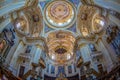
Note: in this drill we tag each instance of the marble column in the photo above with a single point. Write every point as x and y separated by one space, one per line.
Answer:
107 59
85 53
19 49
37 55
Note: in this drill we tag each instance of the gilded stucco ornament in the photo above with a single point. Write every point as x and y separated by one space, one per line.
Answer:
90 24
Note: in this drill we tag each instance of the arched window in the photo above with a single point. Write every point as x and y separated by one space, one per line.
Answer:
69 69
28 49
52 69
61 69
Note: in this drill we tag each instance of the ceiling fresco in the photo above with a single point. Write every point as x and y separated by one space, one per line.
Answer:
60 45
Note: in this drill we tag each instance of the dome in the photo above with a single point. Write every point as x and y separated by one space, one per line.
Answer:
59 14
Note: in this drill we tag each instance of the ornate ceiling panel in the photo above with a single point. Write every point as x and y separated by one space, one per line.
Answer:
98 23
60 44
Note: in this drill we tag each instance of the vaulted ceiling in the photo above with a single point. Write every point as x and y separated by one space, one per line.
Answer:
59 23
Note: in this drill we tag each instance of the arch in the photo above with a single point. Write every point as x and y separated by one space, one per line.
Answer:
74 34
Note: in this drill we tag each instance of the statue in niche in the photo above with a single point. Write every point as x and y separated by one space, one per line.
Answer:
84 31
9 36
36 31
79 62
2 45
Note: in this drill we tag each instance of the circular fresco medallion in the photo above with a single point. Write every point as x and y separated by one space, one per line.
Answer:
59 14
